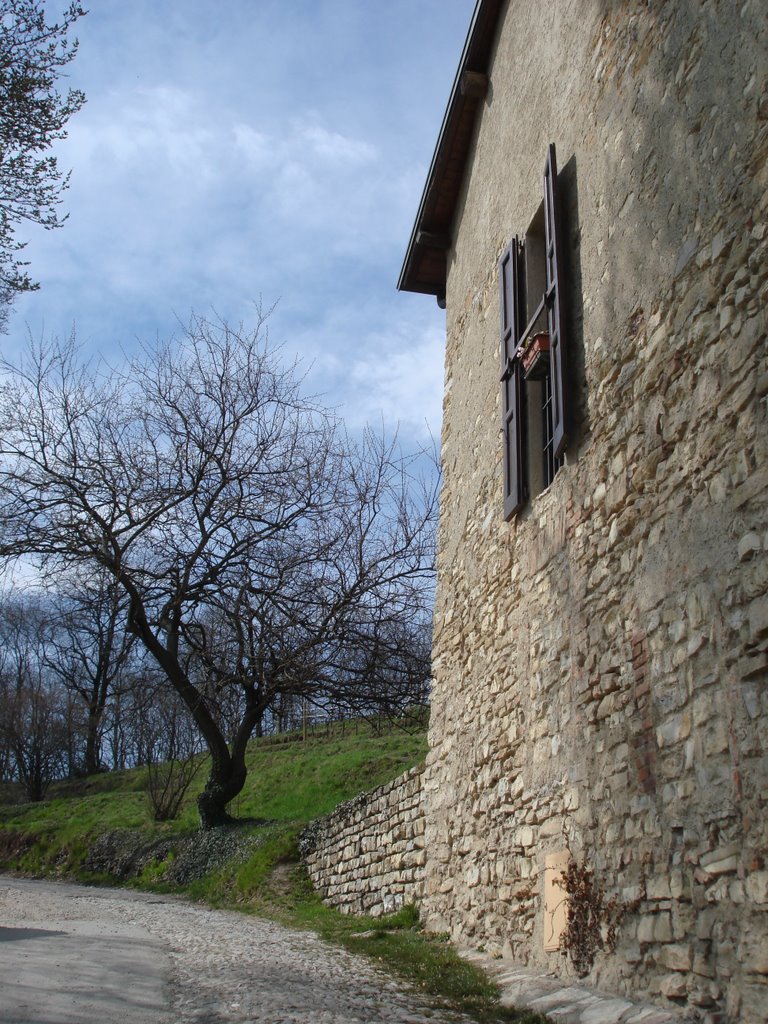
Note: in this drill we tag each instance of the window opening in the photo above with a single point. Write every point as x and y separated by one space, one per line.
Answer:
532 352
551 463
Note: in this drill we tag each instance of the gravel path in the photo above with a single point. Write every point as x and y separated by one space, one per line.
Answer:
192 964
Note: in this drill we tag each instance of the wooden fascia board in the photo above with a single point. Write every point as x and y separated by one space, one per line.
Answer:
474 60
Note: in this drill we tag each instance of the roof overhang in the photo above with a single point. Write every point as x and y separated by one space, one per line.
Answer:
425 265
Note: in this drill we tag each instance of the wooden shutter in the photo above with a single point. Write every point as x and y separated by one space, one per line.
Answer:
553 239
509 296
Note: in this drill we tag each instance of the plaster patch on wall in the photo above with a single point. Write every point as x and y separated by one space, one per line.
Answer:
555 899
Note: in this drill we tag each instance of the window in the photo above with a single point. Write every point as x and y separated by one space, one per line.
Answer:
533 352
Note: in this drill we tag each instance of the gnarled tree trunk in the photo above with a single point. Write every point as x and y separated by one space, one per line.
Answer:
224 783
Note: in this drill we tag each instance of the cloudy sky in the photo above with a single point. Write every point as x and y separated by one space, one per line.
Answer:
232 150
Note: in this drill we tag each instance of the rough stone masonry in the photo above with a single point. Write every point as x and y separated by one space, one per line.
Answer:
601 659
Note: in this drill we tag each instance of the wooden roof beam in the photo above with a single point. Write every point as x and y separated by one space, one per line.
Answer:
433 240
474 85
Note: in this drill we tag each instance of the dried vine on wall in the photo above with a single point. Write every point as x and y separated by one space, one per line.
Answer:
592 918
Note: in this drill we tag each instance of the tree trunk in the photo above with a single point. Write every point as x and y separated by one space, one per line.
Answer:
92 744
228 769
224 783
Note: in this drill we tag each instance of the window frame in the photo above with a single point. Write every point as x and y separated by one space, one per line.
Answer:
515 333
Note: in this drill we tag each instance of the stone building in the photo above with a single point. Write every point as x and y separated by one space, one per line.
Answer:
594 222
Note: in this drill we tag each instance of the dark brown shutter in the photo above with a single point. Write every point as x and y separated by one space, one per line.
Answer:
509 292
553 237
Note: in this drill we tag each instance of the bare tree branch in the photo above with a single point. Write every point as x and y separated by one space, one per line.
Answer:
261 550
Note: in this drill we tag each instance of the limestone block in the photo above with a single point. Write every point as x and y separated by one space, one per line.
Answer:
722 860
718 892
736 892
758 618
658 887
754 665
703 707
571 799
525 837
441 853
645 927
702 965
527 868
727 314
695 643
674 729
676 957
705 926
704 994
605 708
749 545
679 887
662 928
677 630
753 953
674 986
551 827
715 738
434 882
630 893
756 886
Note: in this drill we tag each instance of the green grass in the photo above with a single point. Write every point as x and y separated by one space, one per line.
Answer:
289 784
428 962
290 781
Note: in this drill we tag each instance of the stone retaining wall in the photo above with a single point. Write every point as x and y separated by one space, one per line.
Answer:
367 857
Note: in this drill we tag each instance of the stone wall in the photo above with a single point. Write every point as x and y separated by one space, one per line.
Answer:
601 661
368 856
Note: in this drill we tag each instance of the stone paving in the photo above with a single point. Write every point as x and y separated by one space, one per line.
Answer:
567 1003
219 967
174 962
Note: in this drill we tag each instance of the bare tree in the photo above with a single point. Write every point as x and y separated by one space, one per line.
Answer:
173 761
260 548
89 649
34 715
128 725
36 733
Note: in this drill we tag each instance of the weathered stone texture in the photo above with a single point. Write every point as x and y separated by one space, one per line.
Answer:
367 857
601 660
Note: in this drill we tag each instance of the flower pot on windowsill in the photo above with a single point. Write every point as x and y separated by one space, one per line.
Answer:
535 357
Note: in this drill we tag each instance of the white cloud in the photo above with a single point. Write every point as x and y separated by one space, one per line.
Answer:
336 149
311 177
257 148
147 142
392 375
405 385
279 150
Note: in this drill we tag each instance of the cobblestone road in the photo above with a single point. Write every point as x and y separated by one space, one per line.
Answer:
84 955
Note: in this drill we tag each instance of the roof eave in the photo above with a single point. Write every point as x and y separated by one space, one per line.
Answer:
425 265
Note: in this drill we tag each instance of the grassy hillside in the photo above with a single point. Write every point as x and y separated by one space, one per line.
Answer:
288 781
101 830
